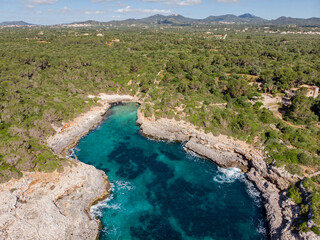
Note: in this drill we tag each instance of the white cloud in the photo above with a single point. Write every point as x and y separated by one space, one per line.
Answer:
101 0
42 2
87 12
228 1
29 5
177 2
169 2
129 9
65 9
33 3
187 2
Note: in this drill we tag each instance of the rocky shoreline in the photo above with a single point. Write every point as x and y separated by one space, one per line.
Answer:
63 200
52 205
271 181
69 134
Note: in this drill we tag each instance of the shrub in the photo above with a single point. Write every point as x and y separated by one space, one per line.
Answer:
294 169
257 105
295 194
305 158
316 230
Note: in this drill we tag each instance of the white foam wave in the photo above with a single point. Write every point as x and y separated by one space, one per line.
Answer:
72 153
76 149
96 210
120 187
123 185
191 154
113 231
261 228
228 175
253 192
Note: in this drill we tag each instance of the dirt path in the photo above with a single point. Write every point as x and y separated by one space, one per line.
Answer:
272 103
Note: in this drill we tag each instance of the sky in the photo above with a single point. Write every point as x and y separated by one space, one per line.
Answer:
65 11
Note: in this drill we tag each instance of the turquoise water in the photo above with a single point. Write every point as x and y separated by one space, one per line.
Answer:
162 192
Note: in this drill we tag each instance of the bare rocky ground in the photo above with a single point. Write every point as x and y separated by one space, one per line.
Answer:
52 205
271 181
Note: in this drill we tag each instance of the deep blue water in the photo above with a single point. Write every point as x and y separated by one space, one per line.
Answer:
162 192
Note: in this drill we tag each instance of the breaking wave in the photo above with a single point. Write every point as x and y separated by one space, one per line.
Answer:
191 154
252 191
120 187
228 175
261 228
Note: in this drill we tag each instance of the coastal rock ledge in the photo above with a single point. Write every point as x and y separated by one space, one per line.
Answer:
52 205
271 181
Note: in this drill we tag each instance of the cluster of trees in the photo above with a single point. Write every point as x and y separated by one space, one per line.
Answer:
303 109
45 79
222 100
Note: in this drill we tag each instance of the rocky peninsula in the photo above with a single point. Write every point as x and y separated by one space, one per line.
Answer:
52 205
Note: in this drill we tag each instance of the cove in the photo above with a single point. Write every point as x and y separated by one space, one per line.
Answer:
160 191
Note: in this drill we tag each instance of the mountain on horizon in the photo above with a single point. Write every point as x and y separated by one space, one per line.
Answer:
247 17
15 23
179 20
296 21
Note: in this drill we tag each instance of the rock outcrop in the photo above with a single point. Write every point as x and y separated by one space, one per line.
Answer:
271 181
52 205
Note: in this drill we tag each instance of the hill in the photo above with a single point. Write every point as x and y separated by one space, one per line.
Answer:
15 23
296 21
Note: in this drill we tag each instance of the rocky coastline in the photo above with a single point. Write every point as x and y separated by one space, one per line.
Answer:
52 205
271 181
68 135
61 200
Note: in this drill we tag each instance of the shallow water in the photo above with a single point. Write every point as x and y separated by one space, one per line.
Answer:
159 191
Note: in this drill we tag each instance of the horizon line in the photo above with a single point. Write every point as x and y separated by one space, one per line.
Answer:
172 14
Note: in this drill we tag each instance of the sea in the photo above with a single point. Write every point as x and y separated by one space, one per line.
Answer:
161 191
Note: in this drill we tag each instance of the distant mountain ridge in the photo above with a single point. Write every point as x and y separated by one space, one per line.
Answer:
297 21
247 18
15 23
179 20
